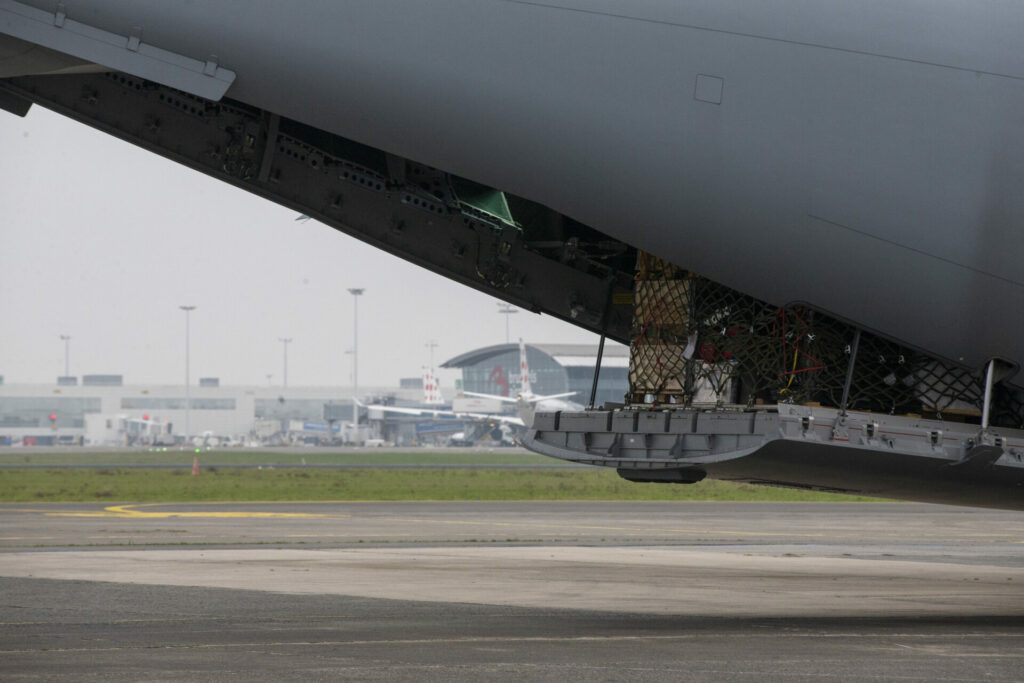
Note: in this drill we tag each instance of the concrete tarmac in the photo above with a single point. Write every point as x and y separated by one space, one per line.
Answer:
542 591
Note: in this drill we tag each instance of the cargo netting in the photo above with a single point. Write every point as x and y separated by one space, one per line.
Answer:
698 342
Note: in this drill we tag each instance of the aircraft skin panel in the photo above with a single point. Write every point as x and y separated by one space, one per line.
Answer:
863 158
127 53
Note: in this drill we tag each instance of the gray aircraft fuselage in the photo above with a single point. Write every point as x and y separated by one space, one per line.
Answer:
863 157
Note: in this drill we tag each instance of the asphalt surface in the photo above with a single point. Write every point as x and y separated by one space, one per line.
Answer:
501 591
289 450
297 466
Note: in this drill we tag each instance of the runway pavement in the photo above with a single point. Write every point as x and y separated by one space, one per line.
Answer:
301 466
543 591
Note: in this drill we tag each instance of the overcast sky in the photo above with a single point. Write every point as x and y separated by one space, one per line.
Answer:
103 241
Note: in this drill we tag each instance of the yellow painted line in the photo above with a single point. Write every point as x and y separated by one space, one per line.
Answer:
129 511
160 620
27 538
81 514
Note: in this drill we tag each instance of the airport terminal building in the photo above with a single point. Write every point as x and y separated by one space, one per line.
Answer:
48 414
554 369
76 412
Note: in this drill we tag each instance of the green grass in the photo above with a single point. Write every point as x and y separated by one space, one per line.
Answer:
151 486
314 456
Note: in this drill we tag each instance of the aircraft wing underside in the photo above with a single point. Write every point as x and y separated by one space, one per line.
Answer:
742 191
514 249
830 154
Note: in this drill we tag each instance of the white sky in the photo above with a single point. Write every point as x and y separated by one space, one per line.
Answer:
103 241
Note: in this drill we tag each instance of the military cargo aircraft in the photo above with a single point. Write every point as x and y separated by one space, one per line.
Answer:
804 214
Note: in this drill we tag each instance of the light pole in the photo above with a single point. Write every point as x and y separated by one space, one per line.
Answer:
432 344
188 395
66 338
356 293
286 342
506 310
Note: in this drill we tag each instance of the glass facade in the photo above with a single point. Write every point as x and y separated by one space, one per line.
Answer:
154 403
612 384
102 380
291 409
35 411
499 374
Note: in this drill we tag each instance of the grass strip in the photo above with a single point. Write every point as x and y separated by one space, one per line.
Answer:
314 456
212 485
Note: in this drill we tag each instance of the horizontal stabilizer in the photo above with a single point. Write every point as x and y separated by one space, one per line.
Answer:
536 399
505 399
428 412
528 399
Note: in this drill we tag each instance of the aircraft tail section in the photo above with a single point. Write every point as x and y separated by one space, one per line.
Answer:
431 388
524 372
525 410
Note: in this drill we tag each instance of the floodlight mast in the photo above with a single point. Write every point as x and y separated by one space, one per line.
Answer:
66 338
188 396
286 341
356 293
506 310
432 344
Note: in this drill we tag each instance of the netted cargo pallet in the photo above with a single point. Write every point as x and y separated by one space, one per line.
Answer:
695 341
660 331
